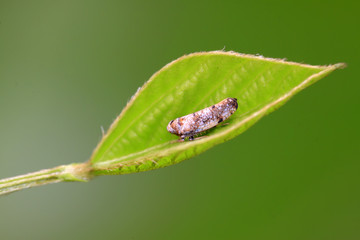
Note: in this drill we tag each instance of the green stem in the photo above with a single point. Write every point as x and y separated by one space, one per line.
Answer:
72 172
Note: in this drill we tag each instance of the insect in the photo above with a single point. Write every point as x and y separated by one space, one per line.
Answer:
197 122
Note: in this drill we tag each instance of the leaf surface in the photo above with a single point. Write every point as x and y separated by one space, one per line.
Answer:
138 139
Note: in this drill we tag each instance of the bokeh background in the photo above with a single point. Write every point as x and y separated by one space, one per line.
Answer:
69 67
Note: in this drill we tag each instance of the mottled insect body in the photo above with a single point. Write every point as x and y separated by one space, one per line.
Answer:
197 122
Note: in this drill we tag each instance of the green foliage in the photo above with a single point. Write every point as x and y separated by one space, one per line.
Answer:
138 139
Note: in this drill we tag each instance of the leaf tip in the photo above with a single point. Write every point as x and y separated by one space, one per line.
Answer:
340 65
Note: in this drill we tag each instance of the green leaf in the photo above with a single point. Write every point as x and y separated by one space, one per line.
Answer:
138 139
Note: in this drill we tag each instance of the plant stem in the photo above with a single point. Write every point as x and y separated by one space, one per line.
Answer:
72 172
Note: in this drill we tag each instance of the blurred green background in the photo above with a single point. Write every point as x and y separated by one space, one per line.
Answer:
69 67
